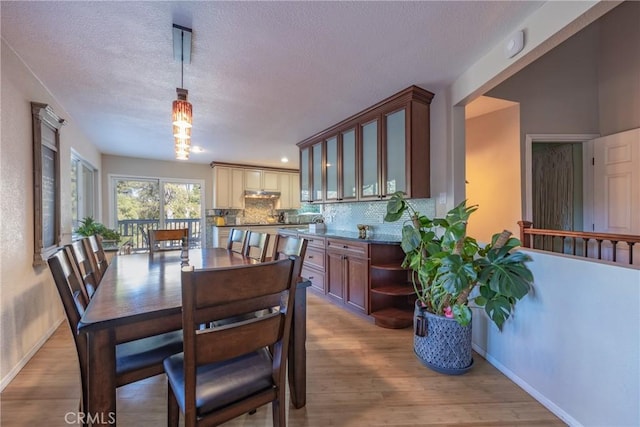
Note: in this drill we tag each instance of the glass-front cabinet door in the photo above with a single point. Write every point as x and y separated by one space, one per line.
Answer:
348 187
369 183
316 173
331 165
395 149
305 189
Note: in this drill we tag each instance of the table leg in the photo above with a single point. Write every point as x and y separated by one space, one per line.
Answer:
297 363
101 367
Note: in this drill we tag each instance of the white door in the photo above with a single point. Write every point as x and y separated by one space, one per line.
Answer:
616 191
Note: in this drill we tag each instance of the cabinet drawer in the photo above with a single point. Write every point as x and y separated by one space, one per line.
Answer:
313 241
314 257
347 246
315 277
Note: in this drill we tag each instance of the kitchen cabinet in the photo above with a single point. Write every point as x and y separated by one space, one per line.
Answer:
332 172
316 172
289 184
305 174
313 266
347 165
379 151
228 188
258 180
348 273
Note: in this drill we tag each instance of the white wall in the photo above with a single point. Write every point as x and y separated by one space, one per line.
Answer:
29 303
573 343
493 173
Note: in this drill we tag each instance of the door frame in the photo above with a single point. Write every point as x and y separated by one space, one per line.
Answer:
587 174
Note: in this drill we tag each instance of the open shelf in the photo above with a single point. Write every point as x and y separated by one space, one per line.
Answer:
393 318
395 289
393 266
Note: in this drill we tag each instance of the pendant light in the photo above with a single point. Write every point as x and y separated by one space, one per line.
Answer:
182 110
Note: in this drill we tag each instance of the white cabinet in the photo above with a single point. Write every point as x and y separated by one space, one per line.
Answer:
228 188
257 180
289 191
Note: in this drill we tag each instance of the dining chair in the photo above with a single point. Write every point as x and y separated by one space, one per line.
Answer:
285 246
168 235
93 247
135 360
256 245
85 266
236 240
227 371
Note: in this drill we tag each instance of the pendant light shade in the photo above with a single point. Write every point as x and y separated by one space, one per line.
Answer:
182 117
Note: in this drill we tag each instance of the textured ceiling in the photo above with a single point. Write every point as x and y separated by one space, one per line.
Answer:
263 76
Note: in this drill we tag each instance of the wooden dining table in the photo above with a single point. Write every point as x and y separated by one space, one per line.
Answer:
139 296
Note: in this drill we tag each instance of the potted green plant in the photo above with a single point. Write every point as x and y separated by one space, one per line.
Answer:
90 227
450 270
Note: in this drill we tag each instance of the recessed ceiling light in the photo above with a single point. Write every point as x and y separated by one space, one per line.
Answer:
197 149
284 160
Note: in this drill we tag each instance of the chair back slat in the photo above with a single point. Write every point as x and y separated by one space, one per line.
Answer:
167 235
241 338
86 265
93 246
285 246
256 245
236 240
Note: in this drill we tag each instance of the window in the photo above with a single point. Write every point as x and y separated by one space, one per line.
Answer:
83 190
143 204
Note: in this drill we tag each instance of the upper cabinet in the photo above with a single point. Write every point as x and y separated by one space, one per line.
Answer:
258 180
230 181
372 154
289 191
228 188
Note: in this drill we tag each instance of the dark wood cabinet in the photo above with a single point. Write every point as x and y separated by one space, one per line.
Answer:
313 266
348 273
365 277
374 153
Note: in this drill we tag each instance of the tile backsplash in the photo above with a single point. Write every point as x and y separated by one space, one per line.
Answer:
345 216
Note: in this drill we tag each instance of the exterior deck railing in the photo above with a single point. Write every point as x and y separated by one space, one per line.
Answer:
611 247
137 230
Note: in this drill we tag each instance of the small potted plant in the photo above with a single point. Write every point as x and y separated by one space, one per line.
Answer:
450 270
90 227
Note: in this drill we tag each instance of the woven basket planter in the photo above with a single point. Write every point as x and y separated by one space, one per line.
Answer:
440 343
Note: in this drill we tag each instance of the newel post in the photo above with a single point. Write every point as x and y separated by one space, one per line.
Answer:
525 238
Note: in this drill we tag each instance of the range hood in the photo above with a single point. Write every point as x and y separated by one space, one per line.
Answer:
261 194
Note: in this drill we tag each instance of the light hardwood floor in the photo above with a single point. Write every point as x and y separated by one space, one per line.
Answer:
358 375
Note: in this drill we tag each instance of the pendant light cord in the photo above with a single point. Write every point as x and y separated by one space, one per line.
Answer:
182 59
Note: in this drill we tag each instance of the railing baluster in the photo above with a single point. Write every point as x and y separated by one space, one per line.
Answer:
531 237
585 244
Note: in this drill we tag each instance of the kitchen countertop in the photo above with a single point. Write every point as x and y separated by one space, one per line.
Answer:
387 239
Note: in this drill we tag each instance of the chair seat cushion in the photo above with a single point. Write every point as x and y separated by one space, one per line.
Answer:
145 352
223 383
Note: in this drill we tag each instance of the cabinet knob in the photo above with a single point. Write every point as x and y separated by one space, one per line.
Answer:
311 277
310 256
345 247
